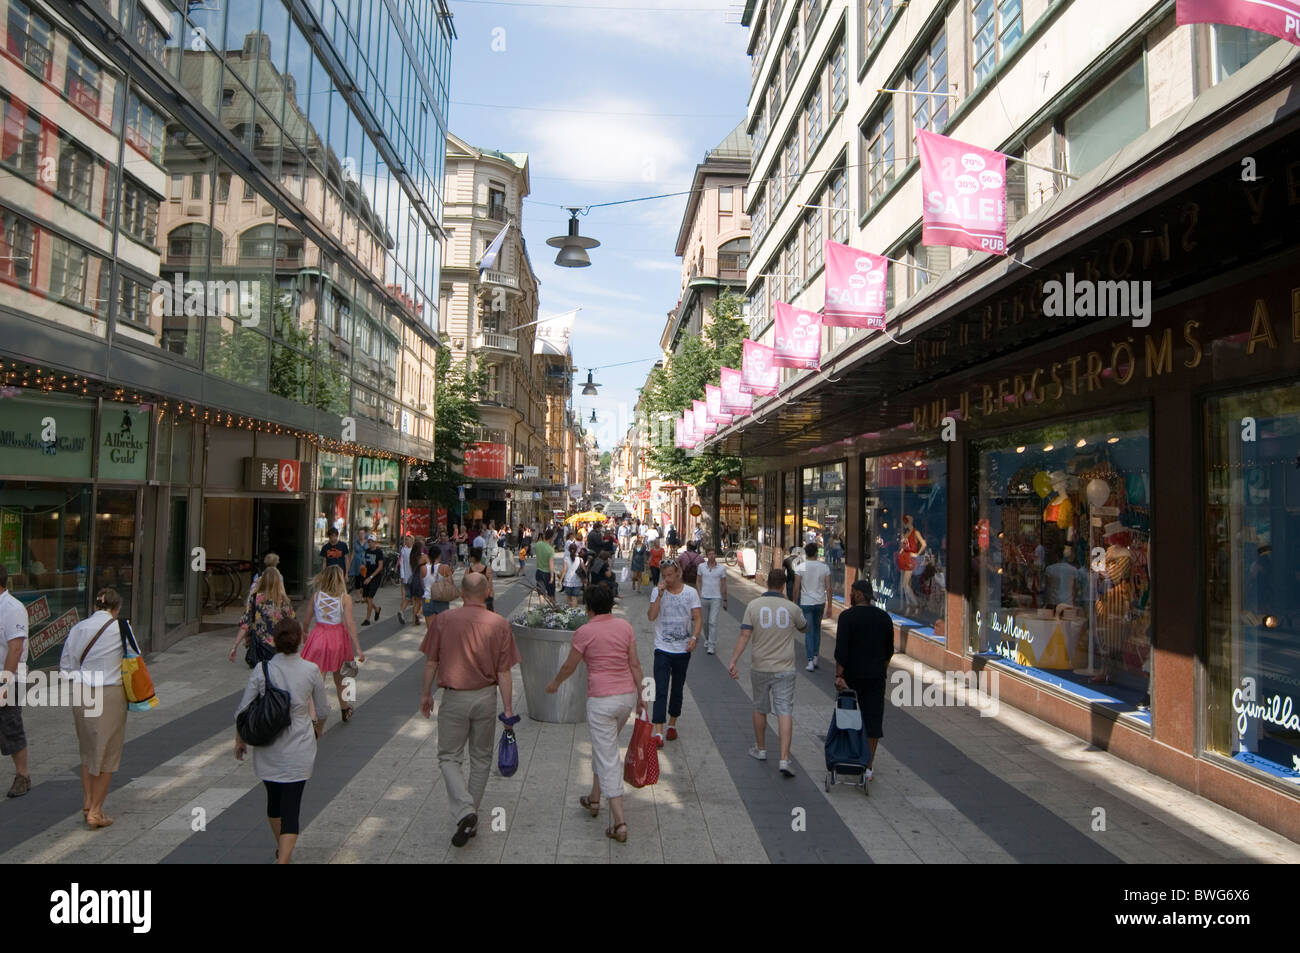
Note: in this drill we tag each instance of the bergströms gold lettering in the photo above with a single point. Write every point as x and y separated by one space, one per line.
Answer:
1160 359
1261 328
1193 343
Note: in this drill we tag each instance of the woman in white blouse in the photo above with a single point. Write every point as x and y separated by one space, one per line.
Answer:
92 658
572 583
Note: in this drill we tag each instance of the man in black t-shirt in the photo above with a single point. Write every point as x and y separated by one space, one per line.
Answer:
864 644
372 573
334 553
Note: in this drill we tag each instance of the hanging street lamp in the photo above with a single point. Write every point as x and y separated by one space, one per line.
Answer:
573 247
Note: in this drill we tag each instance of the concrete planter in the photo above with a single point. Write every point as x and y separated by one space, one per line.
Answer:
541 653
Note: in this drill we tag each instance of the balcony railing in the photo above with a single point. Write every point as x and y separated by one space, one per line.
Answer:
500 278
498 342
730 267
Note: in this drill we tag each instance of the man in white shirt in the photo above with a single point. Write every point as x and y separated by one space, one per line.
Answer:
404 571
651 534
712 578
490 538
13 634
813 593
675 611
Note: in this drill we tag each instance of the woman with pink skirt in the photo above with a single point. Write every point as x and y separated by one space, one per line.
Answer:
331 632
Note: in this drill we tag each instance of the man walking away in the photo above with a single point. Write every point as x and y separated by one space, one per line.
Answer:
675 611
864 644
470 651
813 593
713 596
13 636
690 562
545 569
771 621
404 572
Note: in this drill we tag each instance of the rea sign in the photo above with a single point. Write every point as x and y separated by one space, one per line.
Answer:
272 476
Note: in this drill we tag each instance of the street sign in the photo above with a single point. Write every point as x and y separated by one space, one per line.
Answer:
695 509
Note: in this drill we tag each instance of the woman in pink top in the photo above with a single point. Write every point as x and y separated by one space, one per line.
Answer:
608 646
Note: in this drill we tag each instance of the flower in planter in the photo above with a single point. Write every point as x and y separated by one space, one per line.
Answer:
544 617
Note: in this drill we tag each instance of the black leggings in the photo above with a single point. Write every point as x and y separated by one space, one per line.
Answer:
284 800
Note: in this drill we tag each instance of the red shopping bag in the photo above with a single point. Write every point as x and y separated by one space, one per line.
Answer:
641 767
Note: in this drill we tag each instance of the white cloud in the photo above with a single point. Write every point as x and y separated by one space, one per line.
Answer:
702 35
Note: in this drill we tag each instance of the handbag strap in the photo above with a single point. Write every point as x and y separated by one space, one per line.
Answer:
82 661
124 630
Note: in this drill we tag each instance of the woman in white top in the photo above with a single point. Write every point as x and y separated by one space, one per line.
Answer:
286 763
572 583
331 630
92 658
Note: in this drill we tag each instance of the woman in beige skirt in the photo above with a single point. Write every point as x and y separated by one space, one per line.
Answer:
92 659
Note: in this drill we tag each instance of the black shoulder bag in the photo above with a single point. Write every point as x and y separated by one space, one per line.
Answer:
267 716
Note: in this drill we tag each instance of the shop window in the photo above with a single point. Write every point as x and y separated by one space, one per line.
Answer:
1252 596
905 556
1061 540
821 518
45 541
1108 122
1233 47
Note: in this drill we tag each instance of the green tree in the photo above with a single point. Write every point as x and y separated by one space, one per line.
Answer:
672 388
457 391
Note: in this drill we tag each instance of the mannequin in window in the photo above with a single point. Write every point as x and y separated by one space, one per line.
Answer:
1114 610
911 547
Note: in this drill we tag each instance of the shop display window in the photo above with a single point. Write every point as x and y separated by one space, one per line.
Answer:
905 504
1252 568
822 508
1061 542
45 545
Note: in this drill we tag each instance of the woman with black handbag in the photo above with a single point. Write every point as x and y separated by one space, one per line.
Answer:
267 605
273 714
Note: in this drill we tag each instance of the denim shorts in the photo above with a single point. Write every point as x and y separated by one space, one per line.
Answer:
432 607
573 590
773 692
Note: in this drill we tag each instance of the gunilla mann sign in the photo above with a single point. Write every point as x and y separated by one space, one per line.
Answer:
207 299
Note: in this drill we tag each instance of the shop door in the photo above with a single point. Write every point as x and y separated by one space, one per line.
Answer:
281 527
114 546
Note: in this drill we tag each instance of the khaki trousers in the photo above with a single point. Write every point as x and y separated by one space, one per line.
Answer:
466 718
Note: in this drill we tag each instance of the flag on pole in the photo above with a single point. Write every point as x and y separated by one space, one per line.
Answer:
855 288
1279 18
798 337
493 252
553 334
759 376
965 194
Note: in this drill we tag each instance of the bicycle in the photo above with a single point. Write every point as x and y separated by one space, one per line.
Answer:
731 555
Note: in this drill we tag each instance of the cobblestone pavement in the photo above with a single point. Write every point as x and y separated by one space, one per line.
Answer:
950 785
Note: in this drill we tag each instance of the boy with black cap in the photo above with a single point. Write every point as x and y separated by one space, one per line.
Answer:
864 644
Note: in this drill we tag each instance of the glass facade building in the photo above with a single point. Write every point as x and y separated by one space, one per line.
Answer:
225 216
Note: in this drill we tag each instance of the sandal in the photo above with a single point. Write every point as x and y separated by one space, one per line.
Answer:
589 804
613 833
347 713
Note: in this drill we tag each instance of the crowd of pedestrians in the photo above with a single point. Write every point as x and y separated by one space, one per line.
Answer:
470 651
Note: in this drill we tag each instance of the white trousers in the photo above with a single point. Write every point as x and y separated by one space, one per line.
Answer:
606 717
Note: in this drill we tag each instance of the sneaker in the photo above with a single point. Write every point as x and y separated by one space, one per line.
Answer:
757 753
708 650
672 733
659 741
786 769
868 774
22 784
466 824
811 665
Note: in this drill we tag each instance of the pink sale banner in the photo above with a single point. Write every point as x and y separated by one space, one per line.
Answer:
965 189
713 401
735 401
703 425
1280 18
798 336
855 288
759 375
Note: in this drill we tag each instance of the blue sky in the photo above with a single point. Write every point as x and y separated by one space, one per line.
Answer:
613 65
